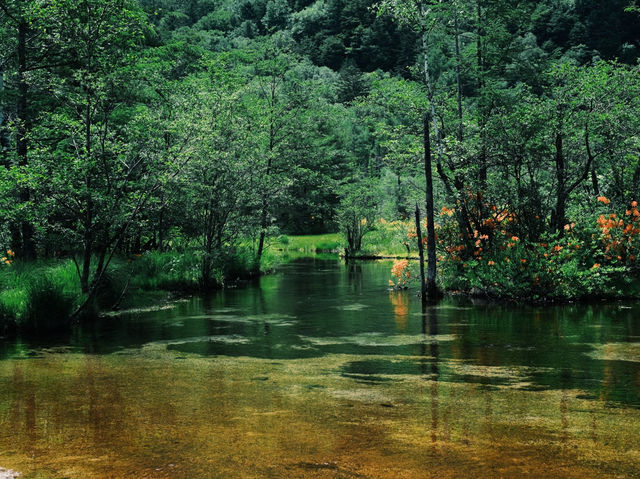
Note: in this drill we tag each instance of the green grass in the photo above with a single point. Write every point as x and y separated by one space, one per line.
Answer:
39 294
386 240
309 244
174 271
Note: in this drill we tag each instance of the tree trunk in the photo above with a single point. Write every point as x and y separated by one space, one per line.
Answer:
23 91
423 283
27 247
88 219
559 214
635 189
86 257
461 215
482 120
4 137
458 80
431 288
263 230
265 203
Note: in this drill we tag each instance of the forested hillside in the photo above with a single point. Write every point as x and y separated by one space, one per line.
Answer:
197 132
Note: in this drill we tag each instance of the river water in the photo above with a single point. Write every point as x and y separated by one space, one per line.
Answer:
319 371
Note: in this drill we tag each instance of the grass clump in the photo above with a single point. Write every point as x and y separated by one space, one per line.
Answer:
153 270
48 305
38 296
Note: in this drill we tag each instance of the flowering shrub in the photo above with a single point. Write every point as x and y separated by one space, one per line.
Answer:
401 273
9 258
591 257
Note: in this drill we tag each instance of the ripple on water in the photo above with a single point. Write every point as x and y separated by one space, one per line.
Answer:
224 338
379 340
352 307
616 352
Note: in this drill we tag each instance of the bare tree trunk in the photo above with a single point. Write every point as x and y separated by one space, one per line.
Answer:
559 213
458 80
27 247
423 283
431 287
88 219
4 137
461 214
265 200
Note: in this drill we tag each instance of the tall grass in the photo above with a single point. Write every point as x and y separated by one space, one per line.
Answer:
48 305
310 243
39 295
168 270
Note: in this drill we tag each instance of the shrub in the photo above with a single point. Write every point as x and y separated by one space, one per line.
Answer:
48 306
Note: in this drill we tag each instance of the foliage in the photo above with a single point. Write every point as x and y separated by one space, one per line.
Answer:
169 144
356 216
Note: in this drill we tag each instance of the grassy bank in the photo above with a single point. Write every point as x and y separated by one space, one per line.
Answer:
387 240
42 295
576 266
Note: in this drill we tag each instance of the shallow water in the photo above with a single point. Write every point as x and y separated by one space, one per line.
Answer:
321 372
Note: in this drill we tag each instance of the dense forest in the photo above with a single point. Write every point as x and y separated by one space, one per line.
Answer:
175 141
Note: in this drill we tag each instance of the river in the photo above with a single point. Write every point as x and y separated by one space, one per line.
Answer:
319 371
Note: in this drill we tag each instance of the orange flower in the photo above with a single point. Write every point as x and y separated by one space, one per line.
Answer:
604 199
10 253
523 261
557 248
515 238
491 263
446 211
634 204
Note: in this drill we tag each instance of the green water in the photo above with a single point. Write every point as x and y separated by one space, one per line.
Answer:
317 308
336 332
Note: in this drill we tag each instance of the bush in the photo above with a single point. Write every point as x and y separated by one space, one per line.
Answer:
597 258
168 270
48 306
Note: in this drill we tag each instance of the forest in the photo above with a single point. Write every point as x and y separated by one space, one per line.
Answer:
182 144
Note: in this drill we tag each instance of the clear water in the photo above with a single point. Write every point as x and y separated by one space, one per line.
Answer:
320 371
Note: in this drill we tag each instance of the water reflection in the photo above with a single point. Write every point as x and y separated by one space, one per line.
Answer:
317 308
319 371
400 302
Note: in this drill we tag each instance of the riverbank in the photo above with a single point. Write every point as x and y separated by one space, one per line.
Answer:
42 296
564 270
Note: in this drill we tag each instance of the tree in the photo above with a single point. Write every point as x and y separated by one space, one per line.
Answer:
219 182
357 214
